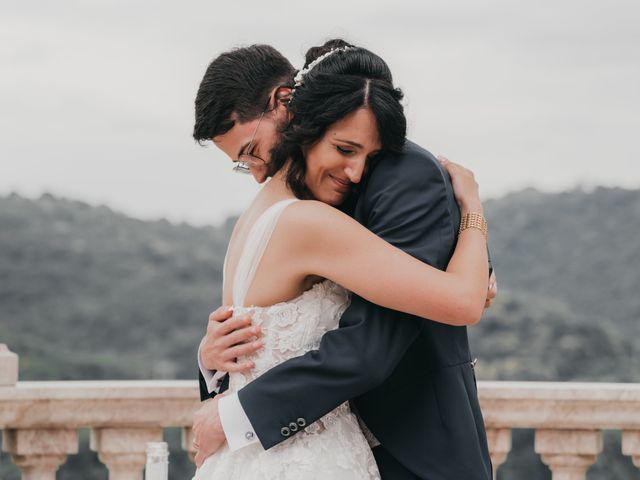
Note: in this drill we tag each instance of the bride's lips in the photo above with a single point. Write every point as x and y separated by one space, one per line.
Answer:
342 184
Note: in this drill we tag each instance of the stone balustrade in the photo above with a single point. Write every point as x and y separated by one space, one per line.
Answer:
40 421
568 419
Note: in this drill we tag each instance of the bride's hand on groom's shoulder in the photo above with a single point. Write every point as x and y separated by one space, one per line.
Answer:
229 337
465 188
208 434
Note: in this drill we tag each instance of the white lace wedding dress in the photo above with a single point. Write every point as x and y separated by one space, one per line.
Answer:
333 447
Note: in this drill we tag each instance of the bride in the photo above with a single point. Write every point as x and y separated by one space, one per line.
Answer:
293 257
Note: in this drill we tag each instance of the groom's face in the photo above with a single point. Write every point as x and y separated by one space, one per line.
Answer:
254 138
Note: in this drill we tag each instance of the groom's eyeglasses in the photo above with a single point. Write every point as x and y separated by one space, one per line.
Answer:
246 160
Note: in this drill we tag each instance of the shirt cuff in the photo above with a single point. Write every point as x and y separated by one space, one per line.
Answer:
211 377
235 423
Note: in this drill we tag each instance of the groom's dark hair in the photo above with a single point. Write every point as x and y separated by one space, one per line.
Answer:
238 81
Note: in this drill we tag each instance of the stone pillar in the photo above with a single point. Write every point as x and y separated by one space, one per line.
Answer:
39 452
8 367
568 453
187 442
123 450
499 446
631 445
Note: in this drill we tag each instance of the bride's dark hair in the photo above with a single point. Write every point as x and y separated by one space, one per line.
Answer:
340 84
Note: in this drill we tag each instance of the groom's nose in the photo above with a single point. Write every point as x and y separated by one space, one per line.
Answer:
355 168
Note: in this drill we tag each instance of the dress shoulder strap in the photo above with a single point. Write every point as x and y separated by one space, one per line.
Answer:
253 249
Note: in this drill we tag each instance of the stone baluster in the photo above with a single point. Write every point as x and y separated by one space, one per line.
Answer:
8 367
568 453
499 440
187 442
39 452
123 450
631 445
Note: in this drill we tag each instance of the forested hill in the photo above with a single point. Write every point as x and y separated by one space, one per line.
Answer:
577 247
86 292
89 293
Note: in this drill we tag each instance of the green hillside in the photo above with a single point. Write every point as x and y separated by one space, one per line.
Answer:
581 248
89 293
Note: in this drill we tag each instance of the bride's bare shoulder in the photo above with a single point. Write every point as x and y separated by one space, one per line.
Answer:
305 219
311 213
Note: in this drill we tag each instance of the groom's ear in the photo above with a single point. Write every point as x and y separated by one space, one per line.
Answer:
282 96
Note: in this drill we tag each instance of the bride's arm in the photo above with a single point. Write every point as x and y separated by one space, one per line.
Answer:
330 244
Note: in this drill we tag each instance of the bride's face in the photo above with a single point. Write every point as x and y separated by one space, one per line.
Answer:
338 160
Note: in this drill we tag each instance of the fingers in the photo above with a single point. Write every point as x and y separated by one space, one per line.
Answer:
232 324
228 338
202 454
221 314
195 428
446 162
465 188
218 349
238 367
232 366
242 350
493 287
239 336
493 291
199 458
453 166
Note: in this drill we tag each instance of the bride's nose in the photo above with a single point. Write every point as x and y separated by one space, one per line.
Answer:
355 168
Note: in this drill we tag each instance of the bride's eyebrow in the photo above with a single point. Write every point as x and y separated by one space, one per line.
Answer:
354 144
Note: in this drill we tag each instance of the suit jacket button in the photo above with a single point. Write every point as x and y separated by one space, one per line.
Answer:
293 427
248 435
302 422
285 431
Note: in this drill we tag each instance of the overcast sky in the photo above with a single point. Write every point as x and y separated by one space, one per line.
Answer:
96 97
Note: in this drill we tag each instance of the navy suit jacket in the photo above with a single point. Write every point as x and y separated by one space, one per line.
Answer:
410 379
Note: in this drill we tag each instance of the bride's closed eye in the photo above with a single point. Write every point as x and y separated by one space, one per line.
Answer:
344 151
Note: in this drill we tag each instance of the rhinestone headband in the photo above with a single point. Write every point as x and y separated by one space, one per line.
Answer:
298 80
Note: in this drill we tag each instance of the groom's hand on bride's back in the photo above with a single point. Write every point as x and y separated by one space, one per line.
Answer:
229 337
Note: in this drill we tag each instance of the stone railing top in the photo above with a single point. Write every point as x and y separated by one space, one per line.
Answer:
126 403
140 403
560 391
560 405
104 389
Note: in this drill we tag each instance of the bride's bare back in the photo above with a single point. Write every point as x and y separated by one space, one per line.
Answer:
275 278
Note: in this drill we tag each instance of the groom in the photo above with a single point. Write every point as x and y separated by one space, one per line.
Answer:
411 381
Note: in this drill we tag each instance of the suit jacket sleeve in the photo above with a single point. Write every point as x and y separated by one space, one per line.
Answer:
406 202
204 393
